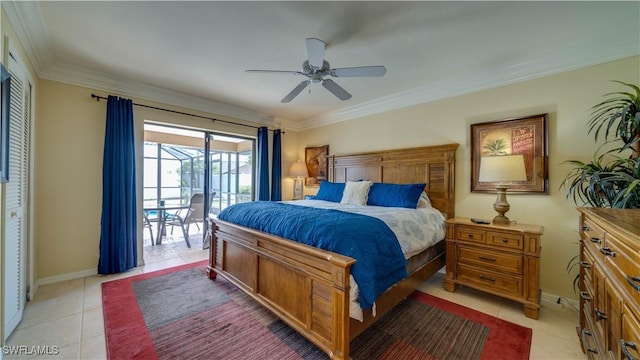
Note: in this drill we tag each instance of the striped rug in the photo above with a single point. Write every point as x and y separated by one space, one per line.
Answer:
179 313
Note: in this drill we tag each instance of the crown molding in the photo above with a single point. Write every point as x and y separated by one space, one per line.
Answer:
550 64
28 25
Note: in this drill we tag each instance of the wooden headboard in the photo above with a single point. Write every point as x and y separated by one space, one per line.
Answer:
433 165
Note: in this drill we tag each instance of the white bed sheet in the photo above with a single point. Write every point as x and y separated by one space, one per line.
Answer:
416 230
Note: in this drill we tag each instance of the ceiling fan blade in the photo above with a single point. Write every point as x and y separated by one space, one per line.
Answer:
275 72
295 92
358 71
336 90
315 52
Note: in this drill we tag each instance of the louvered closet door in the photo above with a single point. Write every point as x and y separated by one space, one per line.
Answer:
15 198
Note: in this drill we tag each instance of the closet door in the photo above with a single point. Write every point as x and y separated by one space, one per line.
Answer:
15 198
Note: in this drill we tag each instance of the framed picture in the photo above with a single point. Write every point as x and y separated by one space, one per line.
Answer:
317 164
519 136
4 124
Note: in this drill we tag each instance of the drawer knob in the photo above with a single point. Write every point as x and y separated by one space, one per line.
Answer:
486 258
585 264
505 240
607 252
632 280
600 315
585 296
470 236
595 240
585 228
627 344
486 278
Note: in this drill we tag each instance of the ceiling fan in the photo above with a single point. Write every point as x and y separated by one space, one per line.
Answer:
316 68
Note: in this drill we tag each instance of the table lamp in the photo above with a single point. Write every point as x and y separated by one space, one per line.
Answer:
501 169
298 171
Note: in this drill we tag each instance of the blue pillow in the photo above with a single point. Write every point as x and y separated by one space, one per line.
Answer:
330 191
395 195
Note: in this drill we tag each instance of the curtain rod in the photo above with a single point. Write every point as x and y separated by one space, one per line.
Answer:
98 98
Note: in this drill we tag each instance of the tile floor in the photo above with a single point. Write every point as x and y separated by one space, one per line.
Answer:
69 314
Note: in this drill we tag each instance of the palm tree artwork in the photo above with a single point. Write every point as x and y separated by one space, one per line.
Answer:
495 147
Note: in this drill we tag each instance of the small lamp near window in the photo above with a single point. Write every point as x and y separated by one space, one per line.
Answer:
298 171
502 169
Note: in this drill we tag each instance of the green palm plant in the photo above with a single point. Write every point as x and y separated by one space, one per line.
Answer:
607 181
610 180
619 116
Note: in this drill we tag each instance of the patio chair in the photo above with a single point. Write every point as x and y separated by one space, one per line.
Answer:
147 224
193 215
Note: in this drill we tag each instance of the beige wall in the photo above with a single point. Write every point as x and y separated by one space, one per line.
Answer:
70 139
565 97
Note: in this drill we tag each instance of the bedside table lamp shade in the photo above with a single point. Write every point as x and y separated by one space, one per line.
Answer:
298 171
502 169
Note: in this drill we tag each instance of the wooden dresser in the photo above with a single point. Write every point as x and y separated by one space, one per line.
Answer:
499 259
610 283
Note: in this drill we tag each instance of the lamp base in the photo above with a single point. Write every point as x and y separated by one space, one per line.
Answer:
501 206
501 220
297 188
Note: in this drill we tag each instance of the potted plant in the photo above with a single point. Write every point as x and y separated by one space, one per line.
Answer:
610 180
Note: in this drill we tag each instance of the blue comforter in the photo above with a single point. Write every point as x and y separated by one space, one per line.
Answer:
379 259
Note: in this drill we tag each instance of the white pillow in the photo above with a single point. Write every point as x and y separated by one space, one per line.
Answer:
423 201
356 193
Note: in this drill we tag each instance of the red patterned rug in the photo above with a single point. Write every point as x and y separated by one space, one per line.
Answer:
179 313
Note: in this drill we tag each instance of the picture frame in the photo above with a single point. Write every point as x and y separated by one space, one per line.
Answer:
317 165
527 136
5 92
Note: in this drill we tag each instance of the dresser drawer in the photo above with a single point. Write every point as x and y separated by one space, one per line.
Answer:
586 266
490 260
506 240
630 334
471 234
625 264
592 236
497 282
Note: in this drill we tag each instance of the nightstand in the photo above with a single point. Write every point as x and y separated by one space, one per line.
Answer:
503 260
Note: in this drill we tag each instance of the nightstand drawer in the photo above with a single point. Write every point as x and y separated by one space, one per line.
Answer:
501 283
490 260
470 234
506 240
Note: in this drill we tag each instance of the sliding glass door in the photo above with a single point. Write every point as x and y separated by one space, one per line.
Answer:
180 164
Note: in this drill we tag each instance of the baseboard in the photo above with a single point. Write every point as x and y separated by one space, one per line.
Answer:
68 276
559 300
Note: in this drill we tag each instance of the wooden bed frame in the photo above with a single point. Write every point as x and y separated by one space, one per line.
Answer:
308 288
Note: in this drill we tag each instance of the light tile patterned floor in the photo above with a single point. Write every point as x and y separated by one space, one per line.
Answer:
69 314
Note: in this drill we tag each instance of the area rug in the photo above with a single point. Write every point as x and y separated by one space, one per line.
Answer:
179 313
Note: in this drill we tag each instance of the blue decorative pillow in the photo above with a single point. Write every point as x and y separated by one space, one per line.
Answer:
395 195
330 191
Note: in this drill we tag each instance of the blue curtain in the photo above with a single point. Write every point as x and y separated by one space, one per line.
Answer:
276 167
263 163
119 225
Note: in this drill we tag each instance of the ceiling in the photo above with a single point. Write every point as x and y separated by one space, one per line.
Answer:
195 54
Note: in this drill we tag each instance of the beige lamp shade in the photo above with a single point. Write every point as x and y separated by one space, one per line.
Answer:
502 168
298 169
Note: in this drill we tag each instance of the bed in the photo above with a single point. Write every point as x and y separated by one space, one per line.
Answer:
309 288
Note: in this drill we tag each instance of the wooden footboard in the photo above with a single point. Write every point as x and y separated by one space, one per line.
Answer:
306 287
